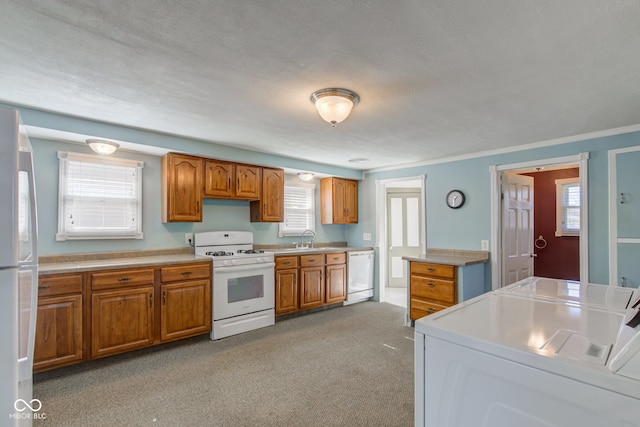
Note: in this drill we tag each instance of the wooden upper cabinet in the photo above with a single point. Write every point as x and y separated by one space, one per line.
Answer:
338 201
270 207
248 182
219 179
182 188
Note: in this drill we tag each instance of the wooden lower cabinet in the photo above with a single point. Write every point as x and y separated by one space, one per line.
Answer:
286 287
121 320
336 286
95 314
309 281
434 287
185 309
311 287
58 340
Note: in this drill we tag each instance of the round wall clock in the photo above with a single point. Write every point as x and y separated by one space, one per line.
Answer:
455 199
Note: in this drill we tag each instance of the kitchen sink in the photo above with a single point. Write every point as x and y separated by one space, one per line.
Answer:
322 249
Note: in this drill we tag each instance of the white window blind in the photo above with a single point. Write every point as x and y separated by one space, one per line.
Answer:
99 197
299 209
567 207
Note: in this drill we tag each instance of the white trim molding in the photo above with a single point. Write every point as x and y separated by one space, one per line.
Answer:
613 214
496 171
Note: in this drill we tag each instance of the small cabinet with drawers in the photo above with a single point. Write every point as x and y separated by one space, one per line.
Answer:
59 329
432 288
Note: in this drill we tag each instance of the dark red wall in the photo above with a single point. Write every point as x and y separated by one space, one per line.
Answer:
561 258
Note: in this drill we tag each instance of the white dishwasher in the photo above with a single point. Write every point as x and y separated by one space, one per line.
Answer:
360 276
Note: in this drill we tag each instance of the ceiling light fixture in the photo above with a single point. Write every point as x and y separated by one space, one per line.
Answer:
305 176
102 146
334 104
358 160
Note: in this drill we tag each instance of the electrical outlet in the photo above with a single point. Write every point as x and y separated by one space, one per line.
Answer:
366 236
484 244
188 238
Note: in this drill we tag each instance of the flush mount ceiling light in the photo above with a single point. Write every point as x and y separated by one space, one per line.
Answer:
102 146
333 104
358 160
305 176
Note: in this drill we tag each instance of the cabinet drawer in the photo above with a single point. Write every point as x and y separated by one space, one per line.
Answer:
439 270
59 285
283 262
185 272
421 308
336 258
429 288
311 260
121 278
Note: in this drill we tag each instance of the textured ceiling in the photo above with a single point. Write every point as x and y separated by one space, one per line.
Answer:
436 78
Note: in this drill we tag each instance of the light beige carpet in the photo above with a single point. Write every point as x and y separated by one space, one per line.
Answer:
347 366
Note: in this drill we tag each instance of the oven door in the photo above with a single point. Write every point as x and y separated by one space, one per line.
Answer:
243 289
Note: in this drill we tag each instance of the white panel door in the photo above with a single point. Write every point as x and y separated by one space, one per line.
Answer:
404 231
517 228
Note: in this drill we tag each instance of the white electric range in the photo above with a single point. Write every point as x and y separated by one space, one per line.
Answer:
243 282
503 359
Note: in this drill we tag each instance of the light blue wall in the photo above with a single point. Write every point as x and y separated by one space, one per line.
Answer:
217 214
464 228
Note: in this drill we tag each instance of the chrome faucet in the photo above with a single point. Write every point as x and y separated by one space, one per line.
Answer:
313 237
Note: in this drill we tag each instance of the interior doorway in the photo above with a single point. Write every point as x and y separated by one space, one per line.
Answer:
541 250
400 223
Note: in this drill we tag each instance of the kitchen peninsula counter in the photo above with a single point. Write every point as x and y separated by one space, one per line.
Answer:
458 258
55 264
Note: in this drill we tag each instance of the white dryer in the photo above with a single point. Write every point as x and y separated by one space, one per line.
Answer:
613 298
502 360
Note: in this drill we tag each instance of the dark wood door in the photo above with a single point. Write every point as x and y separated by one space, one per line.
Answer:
58 332
121 320
336 283
311 287
286 291
185 309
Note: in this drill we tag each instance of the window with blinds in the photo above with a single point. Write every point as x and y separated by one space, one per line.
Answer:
299 209
99 197
567 207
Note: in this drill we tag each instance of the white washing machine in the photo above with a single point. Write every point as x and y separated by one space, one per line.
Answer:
502 360
613 298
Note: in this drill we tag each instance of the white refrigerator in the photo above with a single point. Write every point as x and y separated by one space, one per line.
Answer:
18 273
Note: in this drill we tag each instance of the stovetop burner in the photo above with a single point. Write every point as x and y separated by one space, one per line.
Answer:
250 251
218 253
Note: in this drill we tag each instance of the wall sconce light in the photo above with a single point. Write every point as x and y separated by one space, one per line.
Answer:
305 176
334 105
102 146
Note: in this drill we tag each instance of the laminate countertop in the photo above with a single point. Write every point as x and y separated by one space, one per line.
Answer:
115 260
455 257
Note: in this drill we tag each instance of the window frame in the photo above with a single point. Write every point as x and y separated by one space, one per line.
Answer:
63 165
562 209
283 231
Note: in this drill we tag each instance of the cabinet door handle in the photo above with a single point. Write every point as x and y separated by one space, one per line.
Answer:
265 208
164 297
124 279
229 182
431 269
42 288
287 262
336 258
431 284
186 273
150 300
431 310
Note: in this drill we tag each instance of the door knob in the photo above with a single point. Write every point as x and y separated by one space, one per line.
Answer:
533 255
